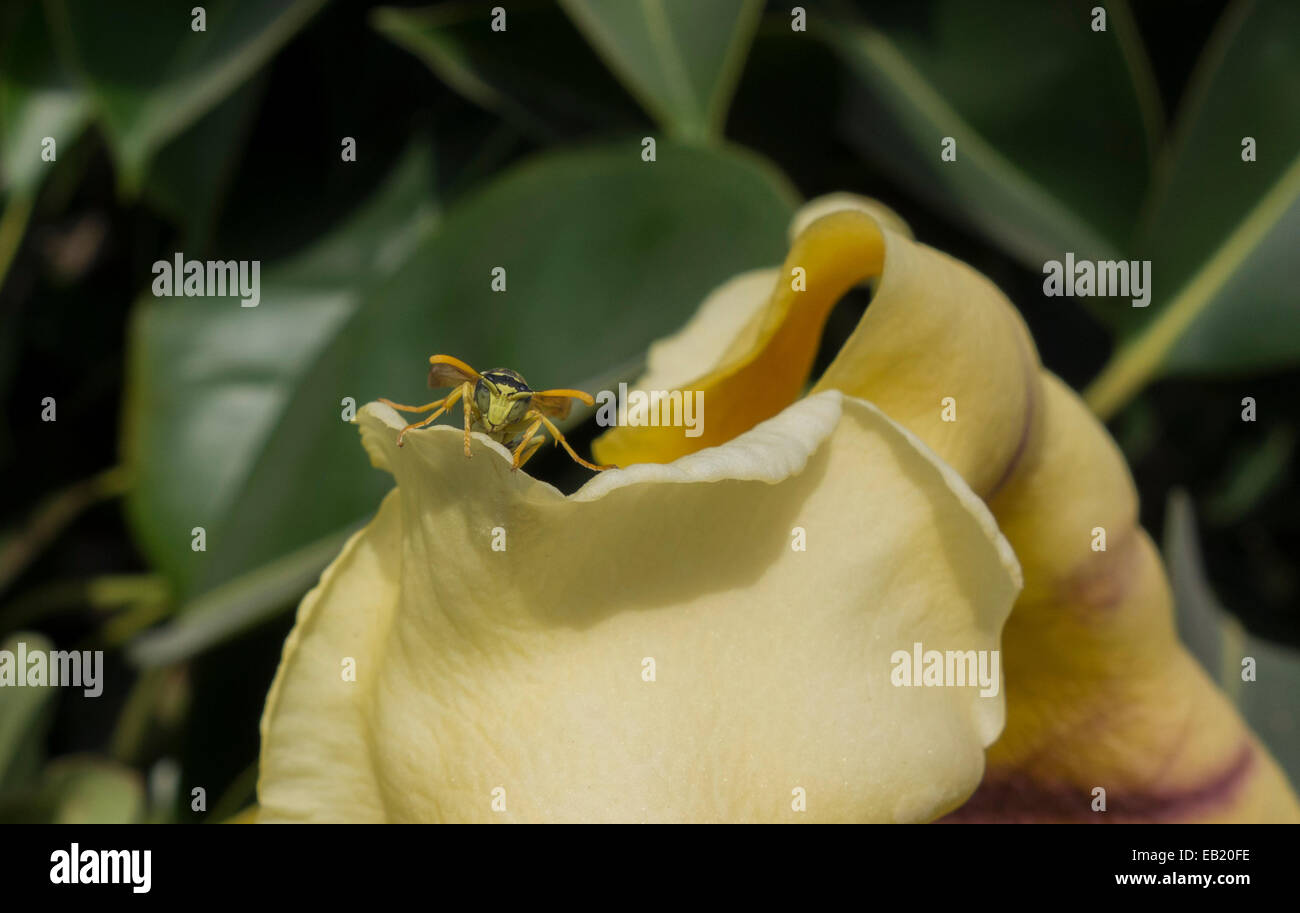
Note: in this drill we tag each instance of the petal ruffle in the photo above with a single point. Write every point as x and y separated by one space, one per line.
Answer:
524 670
933 320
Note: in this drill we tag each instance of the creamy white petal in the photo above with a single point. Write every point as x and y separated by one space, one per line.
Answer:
518 676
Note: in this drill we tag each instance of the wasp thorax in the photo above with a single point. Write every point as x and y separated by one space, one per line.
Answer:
498 399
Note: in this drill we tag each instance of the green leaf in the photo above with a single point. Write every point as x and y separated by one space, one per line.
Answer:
25 714
1054 123
1222 232
1220 643
209 382
149 75
38 98
234 607
78 790
233 414
539 73
188 177
680 58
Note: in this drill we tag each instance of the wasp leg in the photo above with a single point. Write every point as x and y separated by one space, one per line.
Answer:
523 450
559 439
400 408
466 394
533 448
447 402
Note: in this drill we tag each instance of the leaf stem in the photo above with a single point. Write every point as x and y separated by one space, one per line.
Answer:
103 594
52 515
1136 363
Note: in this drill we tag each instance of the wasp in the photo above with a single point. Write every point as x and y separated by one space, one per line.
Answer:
501 405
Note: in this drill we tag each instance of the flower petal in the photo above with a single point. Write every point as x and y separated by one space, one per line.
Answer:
834 202
1101 692
765 366
523 669
932 317
724 323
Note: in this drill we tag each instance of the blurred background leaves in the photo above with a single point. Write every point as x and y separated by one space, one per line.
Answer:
1056 125
1223 230
148 87
679 58
540 75
523 149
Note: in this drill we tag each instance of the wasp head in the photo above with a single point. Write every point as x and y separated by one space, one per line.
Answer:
501 398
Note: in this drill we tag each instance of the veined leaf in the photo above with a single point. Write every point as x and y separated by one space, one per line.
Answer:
149 75
38 99
1222 232
680 58
1054 124
538 73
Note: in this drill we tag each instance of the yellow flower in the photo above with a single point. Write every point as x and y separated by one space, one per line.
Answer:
657 648
1101 694
651 648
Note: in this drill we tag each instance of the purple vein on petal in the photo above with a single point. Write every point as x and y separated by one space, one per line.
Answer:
1016 798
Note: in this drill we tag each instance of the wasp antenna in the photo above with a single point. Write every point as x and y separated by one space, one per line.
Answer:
583 396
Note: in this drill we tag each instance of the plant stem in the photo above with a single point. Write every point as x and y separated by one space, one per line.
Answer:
52 515
1137 362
